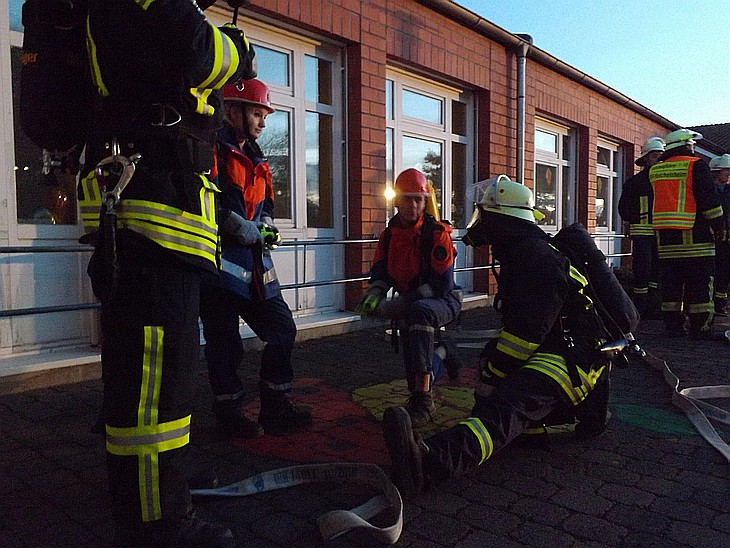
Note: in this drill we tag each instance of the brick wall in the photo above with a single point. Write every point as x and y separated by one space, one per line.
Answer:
376 33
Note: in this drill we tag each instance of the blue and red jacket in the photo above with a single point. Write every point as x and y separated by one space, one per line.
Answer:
245 181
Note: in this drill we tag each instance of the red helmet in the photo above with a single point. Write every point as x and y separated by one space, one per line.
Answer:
249 91
411 182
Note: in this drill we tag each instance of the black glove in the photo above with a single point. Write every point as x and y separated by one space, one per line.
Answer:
248 67
245 231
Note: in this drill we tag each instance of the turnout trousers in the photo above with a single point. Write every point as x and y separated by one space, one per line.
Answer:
522 399
645 264
271 321
149 353
722 269
688 288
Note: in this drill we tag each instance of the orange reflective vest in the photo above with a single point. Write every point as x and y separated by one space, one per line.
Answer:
674 201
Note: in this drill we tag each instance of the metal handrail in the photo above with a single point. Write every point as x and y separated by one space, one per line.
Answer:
291 243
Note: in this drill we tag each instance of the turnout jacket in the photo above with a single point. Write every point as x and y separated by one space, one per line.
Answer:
410 256
542 301
245 181
156 67
686 206
636 204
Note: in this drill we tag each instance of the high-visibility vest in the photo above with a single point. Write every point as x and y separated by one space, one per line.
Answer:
674 201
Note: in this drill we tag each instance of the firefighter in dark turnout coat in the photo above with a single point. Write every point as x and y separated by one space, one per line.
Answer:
635 207
686 216
545 359
157 67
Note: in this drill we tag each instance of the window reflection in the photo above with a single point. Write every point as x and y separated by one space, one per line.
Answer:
545 192
318 129
273 66
546 141
422 107
16 15
602 203
317 80
426 156
458 185
389 99
275 141
41 199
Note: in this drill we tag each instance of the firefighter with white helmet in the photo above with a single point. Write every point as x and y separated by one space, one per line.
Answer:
686 215
544 360
415 257
720 168
635 207
248 286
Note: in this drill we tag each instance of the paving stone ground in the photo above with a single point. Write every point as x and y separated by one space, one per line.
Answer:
650 480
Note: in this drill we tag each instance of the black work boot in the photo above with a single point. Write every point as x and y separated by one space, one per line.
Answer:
452 361
407 451
278 414
187 531
231 420
421 408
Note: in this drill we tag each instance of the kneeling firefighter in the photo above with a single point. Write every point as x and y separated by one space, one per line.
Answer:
546 359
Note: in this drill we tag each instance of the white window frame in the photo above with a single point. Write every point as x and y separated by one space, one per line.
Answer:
612 173
404 126
564 161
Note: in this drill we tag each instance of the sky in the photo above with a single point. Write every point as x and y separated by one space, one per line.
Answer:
671 57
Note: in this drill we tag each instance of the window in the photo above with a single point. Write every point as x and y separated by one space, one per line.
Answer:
555 188
301 135
430 127
607 169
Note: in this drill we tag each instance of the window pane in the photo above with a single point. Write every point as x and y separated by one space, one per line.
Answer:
545 192
568 208
425 156
567 149
275 141
15 15
317 80
604 157
602 204
389 99
546 141
273 66
458 185
458 123
41 199
318 128
422 107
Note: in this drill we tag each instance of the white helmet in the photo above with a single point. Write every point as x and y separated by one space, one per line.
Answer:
505 197
681 137
721 162
652 144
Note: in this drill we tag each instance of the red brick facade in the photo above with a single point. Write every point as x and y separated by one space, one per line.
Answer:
410 34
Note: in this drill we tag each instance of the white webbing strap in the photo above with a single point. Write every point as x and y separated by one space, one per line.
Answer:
698 412
337 522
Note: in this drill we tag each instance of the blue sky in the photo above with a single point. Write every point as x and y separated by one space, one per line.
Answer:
672 57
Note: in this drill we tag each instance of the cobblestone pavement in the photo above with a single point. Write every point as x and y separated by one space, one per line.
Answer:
650 480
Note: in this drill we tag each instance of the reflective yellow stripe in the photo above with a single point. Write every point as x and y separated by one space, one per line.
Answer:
480 431
577 276
686 251
641 230
554 366
713 213
149 438
90 202
225 62
514 346
94 61
644 209
144 4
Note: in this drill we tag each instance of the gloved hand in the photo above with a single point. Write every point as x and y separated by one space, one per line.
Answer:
369 302
394 309
245 231
271 235
249 65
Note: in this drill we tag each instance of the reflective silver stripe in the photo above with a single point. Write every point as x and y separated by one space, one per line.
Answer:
242 274
224 65
150 393
183 243
229 397
278 387
148 439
